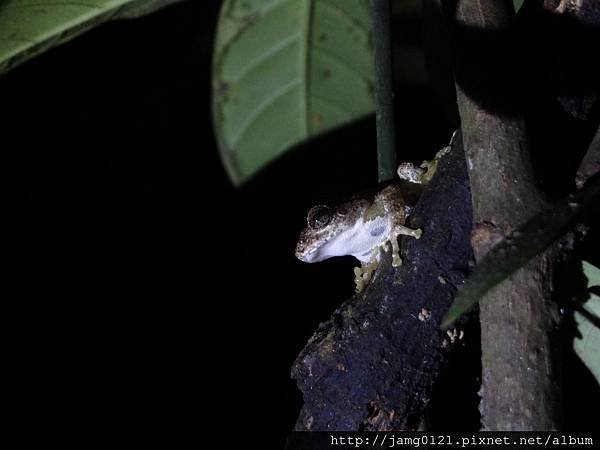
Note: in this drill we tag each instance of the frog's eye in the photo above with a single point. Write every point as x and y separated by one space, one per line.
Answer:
318 217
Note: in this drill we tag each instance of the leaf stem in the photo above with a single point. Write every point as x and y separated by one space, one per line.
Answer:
384 95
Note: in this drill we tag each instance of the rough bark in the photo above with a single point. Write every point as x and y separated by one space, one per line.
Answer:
373 364
520 389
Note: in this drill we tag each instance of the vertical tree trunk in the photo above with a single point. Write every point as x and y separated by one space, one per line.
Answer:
520 381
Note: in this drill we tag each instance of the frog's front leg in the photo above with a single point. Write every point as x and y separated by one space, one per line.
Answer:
363 274
397 231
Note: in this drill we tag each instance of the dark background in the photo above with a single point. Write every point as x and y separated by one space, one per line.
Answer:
150 291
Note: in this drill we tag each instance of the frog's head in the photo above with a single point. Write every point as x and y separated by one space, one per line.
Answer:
331 231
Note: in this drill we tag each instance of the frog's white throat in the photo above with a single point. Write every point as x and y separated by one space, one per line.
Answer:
361 241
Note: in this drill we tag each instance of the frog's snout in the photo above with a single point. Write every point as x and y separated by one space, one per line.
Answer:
302 250
299 250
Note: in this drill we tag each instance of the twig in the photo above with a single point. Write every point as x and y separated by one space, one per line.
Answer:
384 96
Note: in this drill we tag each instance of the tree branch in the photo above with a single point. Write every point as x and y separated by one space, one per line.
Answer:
373 364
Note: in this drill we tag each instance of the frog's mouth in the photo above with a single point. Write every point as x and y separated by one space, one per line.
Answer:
309 256
305 255
307 250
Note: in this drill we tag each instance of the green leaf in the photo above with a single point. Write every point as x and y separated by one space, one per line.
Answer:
517 4
30 27
525 243
285 71
592 273
136 9
587 346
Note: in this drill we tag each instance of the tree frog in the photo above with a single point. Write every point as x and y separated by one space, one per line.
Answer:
366 223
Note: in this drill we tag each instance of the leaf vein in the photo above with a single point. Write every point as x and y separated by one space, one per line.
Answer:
340 62
261 107
345 16
267 53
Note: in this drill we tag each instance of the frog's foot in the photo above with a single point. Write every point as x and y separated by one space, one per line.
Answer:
401 229
430 167
358 279
398 230
396 260
444 151
363 274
